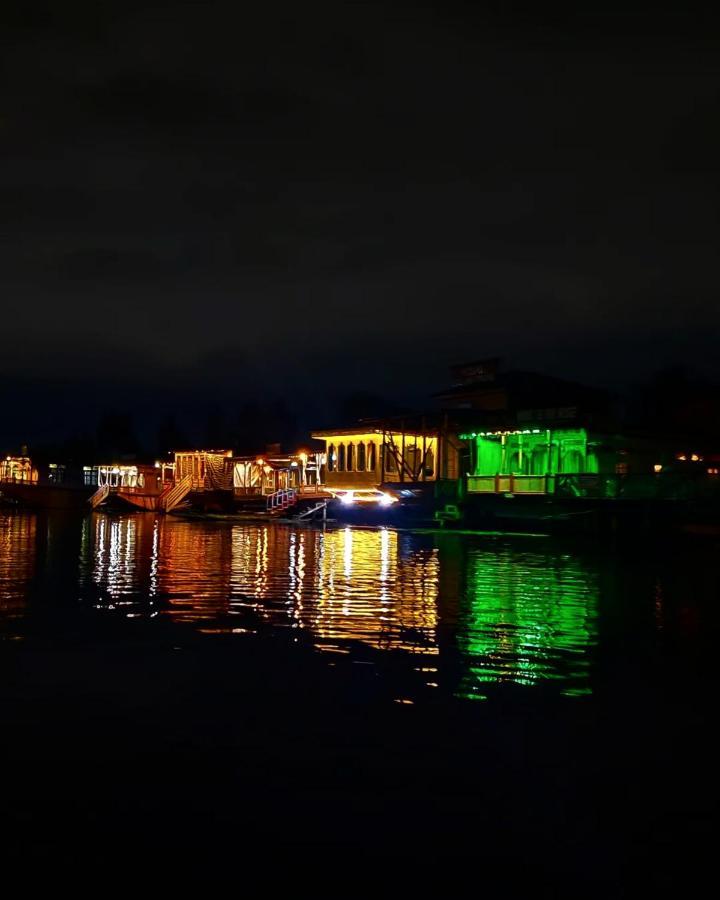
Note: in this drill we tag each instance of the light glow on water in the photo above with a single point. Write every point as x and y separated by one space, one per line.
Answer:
460 614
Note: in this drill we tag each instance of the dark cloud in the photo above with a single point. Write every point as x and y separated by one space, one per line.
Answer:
354 195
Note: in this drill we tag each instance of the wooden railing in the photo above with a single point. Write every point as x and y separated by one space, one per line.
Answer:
511 484
281 500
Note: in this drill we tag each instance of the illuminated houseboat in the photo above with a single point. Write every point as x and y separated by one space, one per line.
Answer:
17 470
533 434
411 460
365 457
265 474
51 487
142 486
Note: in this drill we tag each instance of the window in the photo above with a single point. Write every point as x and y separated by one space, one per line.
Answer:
331 458
539 463
573 462
371 458
429 467
361 460
350 457
412 460
341 458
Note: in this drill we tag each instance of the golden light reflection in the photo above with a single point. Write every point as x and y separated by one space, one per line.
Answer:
18 551
339 585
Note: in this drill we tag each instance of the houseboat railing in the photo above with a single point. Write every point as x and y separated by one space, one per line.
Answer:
281 499
99 496
511 484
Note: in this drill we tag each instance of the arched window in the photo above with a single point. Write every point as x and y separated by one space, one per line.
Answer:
538 465
341 458
573 461
371 458
331 458
361 457
350 457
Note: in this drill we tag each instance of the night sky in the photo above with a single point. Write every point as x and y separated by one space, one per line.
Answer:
203 204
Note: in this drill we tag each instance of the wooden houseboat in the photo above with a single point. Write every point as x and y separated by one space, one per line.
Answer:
265 474
23 484
527 433
17 470
413 460
139 485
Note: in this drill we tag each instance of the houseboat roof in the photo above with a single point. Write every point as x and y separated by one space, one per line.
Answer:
529 384
373 429
204 450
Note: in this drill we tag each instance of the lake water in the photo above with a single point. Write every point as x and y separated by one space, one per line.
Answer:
436 614
236 698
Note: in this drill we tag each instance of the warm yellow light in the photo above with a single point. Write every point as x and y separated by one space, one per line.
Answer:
694 457
657 467
260 462
376 437
681 457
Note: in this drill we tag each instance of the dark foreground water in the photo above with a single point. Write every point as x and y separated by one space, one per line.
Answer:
501 707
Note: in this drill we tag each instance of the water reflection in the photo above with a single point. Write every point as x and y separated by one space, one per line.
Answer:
497 614
527 618
466 614
18 538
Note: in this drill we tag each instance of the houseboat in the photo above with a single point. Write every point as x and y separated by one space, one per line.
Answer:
395 465
543 449
49 487
148 487
265 473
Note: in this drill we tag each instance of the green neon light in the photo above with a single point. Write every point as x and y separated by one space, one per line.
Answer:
532 452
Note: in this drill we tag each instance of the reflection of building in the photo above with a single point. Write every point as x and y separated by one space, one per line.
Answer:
340 585
120 553
193 569
526 619
18 551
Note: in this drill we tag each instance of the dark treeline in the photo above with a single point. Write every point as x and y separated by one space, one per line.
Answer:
674 402
249 428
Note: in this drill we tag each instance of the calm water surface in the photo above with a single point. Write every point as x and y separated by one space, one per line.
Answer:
453 613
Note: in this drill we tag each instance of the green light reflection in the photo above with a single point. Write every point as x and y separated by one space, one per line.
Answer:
527 619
